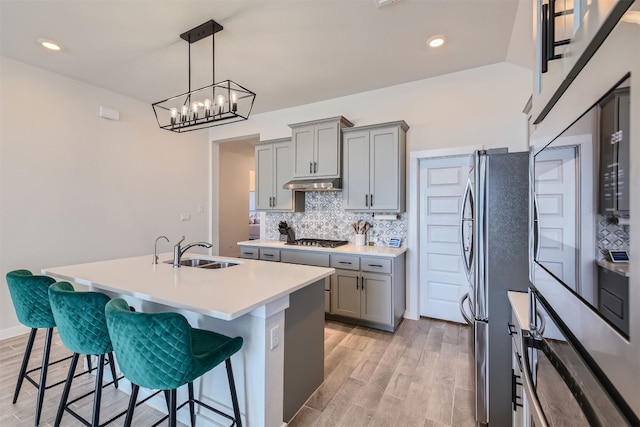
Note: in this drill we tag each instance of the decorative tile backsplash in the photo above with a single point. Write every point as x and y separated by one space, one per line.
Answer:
324 218
611 236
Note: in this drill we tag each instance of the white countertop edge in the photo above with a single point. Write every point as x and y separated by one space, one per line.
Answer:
374 251
520 305
248 308
621 268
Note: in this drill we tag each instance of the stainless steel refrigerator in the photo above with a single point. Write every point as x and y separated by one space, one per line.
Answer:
494 244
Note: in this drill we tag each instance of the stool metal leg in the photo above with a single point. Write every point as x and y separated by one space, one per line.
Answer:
43 373
25 363
112 364
234 395
132 405
192 405
95 420
172 409
67 388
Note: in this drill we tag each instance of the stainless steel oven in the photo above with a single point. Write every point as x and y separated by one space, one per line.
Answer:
562 384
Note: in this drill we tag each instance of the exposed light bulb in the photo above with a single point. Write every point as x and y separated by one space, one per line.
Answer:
220 103
234 102
174 115
207 107
184 113
194 110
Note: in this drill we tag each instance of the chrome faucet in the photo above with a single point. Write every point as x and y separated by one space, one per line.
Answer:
155 249
178 251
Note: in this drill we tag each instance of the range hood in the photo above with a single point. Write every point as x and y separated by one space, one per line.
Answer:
314 184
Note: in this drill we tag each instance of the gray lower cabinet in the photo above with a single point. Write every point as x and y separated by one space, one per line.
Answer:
368 291
358 295
364 290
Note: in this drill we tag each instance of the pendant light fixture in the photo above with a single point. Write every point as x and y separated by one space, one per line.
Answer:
213 105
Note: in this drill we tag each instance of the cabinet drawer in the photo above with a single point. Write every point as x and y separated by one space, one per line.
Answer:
347 262
249 253
377 265
305 258
269 254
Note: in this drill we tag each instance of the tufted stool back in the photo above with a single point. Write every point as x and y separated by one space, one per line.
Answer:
80 319
30 297
160 350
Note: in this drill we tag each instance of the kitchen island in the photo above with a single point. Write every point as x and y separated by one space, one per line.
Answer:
251 299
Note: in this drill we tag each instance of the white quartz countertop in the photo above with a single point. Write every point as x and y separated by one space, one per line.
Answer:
381 251
226 293
520 305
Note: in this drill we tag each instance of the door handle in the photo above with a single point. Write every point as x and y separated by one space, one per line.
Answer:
463 248
536 229
464 313
535 408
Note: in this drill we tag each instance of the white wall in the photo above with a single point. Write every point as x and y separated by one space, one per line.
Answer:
76 188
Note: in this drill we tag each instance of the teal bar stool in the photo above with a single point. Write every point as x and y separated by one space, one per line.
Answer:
161 351
30 297
83 330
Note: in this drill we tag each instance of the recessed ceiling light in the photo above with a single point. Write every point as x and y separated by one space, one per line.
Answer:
49 44
436 41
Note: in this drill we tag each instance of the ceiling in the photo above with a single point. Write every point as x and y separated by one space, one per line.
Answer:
290 52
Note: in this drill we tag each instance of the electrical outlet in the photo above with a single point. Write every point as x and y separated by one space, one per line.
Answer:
275 336
185 217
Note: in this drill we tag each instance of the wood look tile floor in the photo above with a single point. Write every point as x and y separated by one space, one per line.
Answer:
418 376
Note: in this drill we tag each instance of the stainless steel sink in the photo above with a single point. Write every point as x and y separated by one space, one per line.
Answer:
218 264
203 263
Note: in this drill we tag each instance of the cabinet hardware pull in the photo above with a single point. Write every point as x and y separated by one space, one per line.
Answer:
371 198
344 262
366 200
315 167
375 265
512 329
268 255
357 283
362 286
247 253
310 167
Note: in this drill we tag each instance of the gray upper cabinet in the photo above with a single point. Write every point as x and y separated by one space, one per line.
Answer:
614 153
374 167
273 170
316 148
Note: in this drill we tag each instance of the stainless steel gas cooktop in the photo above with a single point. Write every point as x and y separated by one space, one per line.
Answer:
324 243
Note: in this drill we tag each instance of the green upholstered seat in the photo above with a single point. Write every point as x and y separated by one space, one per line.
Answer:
83 329
30 297
162 351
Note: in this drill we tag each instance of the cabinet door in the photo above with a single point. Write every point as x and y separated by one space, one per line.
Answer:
384 166
356 171
376 300
345 293
264 177
282 153
327 150
302 138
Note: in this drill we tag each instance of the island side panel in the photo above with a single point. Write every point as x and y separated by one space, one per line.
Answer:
303 347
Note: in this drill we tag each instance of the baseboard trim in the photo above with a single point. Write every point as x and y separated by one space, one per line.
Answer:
13 332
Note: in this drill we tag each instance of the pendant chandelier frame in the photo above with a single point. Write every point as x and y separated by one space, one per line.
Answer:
213 105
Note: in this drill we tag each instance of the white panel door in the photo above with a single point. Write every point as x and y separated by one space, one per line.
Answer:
443 280
556 192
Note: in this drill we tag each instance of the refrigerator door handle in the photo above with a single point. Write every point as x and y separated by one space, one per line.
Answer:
467 251
536 229
467 318
480 229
